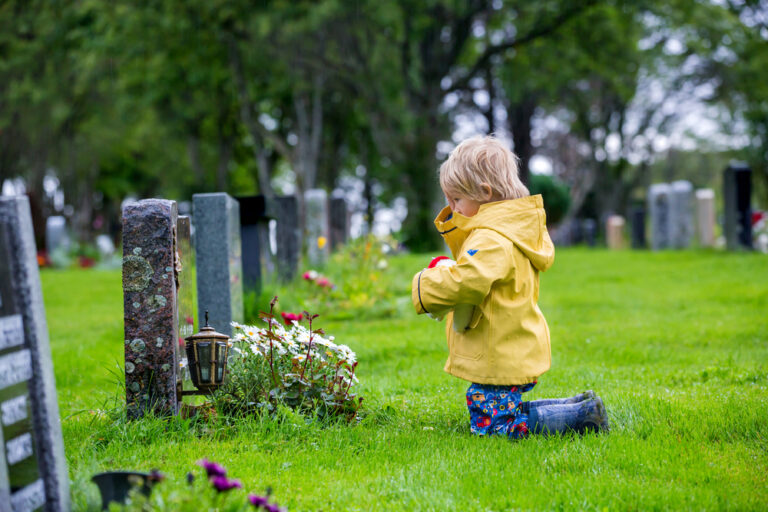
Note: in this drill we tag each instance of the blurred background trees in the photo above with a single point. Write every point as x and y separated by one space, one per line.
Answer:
100 101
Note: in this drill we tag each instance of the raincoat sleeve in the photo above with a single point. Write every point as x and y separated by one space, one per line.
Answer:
484 259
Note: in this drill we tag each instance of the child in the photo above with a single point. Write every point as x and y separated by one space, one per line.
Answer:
498 236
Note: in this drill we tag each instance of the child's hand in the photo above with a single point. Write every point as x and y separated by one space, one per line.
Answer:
462 313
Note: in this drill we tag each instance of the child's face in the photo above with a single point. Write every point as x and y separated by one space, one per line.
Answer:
460 204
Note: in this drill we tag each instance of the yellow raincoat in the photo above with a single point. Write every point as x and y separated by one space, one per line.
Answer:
499 253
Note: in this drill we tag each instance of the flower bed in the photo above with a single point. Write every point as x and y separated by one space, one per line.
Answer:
292 365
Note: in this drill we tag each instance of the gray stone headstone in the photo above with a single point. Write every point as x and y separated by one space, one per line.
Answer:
637 216
681 214
737 199
33 470
56 234
659 208
150 295
288 237
218 253
339 222
316 206
705 216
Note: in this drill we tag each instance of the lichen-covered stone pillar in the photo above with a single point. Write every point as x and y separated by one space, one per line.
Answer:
150 289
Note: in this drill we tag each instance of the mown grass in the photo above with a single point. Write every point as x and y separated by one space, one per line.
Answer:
676 344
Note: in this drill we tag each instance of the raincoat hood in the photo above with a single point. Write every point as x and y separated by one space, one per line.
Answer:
521 221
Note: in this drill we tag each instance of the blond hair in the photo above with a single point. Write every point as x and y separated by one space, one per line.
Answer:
482 159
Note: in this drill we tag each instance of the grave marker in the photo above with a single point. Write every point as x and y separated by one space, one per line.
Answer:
56 233
614 232
218 253
254 231
288 237
339 222
737 197
705 216
659 208
150 294
316 205
681 214
637 214
33 472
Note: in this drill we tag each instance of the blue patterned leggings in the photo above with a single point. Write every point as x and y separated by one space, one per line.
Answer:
495 410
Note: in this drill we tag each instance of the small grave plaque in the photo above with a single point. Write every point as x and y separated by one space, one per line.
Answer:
33 473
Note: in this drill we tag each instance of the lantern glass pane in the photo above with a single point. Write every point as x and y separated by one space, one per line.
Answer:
220 361
204 363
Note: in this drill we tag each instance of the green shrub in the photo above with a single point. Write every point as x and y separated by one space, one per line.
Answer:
556 195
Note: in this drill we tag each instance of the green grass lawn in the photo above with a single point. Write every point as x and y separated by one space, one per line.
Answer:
676 343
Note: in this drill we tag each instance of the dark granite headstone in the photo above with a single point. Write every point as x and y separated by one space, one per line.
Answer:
590 231
288 237
33 471
737 198
218 253
253 220
637 217
150 307
339 222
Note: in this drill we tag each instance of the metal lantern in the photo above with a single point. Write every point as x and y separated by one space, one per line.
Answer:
207 357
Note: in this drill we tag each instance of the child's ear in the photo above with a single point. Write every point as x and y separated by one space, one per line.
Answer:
487 191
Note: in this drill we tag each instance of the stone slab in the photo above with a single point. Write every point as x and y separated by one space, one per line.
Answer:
338 220
316 217
218 253
287 236
150 307
705 217
737 202
659 211
681 214
33 470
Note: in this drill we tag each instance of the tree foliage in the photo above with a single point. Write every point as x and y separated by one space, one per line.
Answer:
119 99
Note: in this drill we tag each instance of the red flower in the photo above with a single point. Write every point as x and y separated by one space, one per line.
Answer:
42 259
435 261
323 282
189 320
290 317
86 262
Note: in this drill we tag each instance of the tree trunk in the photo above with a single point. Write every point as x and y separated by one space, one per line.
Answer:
519 117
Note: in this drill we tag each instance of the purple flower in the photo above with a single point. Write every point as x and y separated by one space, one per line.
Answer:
258 501
263 502
222 483
211 468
